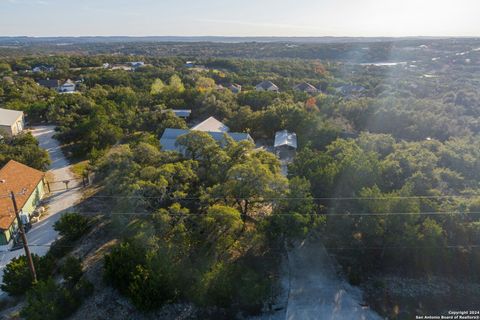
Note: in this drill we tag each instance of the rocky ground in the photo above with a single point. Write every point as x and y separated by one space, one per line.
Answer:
403 298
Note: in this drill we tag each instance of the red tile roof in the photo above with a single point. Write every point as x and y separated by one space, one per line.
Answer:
16 177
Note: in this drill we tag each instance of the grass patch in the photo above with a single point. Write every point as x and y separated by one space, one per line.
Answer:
79 168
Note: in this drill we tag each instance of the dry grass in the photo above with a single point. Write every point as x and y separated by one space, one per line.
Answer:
79 168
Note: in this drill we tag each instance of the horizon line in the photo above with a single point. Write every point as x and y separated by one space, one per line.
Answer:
236 36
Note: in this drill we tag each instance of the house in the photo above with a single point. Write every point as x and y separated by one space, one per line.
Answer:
235 88
285 140
137 64
43 68
168 141
216 129
267 86
351 90
28 185
305 87
285 146
67 87
181 113
49 83
11 121
211 125
189 64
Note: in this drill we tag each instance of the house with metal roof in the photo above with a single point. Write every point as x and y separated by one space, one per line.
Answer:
235 88
28 184
285 139
211 125
267 86
351 90
49 83
12 122
305 87
181 113
168 141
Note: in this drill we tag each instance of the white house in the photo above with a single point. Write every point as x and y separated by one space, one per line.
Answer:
267 86
67 87
11 121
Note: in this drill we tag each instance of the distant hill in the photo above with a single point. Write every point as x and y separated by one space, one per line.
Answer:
219 39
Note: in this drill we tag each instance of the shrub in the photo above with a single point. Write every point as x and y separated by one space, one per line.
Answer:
235 286
72 270
60 248
72 225
120 263
49 301
17 278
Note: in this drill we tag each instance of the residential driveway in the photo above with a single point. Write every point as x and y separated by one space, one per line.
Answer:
42 235
317 292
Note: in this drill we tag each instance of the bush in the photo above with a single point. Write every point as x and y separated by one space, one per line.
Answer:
235 286
60 248
72 270
72 226
17 278
120 263
49 301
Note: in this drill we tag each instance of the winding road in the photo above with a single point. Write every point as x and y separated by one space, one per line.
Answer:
42 234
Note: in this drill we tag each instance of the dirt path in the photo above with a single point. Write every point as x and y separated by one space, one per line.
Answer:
42 235
317 292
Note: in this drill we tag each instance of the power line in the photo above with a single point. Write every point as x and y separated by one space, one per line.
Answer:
292 198
170 196
289 214
459 246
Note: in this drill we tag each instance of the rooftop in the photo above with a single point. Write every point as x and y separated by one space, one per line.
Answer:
17 177
285 138
169 138
211 125
49 83
9 117
183 113
266 85
305 86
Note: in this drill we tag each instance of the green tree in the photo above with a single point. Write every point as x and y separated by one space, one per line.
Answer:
72 225
17 278
157 87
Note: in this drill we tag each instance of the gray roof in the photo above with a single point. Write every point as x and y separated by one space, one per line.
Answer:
306 87
182 113
211 125
170 136
285 138
350 88
235 88
49 83
9 117
265 85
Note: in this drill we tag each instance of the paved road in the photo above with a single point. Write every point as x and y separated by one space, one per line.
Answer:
317 292
42 234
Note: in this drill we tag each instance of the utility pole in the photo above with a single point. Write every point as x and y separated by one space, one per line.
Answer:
24 238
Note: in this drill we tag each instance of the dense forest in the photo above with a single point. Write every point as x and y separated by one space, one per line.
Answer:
387 177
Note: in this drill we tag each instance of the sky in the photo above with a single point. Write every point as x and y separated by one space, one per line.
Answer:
240 18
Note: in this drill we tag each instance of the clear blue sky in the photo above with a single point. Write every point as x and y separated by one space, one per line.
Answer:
240 17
